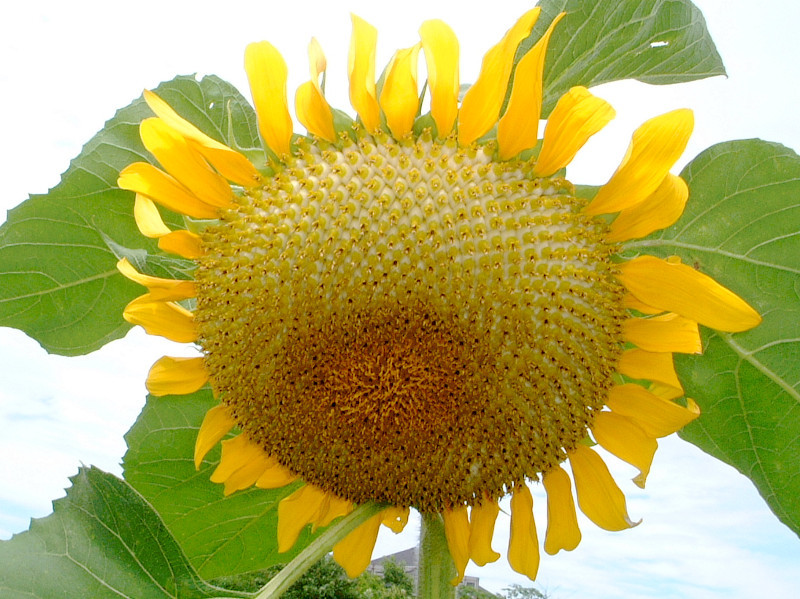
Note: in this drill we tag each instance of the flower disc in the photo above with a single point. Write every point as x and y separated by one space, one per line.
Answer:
410 322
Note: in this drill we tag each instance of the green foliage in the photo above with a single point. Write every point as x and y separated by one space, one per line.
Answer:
741 227
327 580
654 41
372 586
394 584
324 580
465 592
220 535
247 582
516 591
394 575
58 252
102 540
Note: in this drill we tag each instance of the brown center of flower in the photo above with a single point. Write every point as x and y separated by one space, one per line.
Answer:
410 322
398 371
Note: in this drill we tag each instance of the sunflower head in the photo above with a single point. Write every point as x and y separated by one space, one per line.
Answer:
405 299
417 309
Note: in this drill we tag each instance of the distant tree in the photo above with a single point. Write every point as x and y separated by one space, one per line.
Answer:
370 586
324 580
516 591
327 580
394 584
394 575
249 582
465 592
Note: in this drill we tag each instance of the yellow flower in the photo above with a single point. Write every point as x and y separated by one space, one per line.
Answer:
418 311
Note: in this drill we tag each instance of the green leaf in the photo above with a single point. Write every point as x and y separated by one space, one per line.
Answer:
220 535
742 227
102 540
654 41
58 279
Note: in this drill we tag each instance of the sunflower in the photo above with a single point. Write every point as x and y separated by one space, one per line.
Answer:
417 309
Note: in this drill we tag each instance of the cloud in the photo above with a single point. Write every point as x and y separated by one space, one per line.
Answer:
705 534
58 412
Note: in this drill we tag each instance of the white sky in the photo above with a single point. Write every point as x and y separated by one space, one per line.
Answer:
65 68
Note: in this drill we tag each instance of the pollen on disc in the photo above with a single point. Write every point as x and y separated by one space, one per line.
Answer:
410 322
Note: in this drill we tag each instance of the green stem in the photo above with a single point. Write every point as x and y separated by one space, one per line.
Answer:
318 548
436 568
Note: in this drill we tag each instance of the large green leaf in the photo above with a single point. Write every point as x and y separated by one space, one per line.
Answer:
742 227
58 280
102 540
654 41
220 535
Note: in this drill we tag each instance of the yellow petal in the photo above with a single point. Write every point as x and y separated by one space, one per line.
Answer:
146 179
665 391
318 64
361 71
267 73
275 476
633 303
682 289
482 519
482 102
441 58
354 552
312 109
652 366
667 333
247 474
229 163
332 507
176 376
160 289
337 507
655 147
216 424
518 129
626 440
456 529
395 518
236 453
184 163
148 218
166 319
294 512
599 497
232 165
658 210
657 417
576 117
523 546
400 96
562 521
165 112
183 243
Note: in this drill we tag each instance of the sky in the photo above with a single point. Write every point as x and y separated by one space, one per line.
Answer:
66 67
